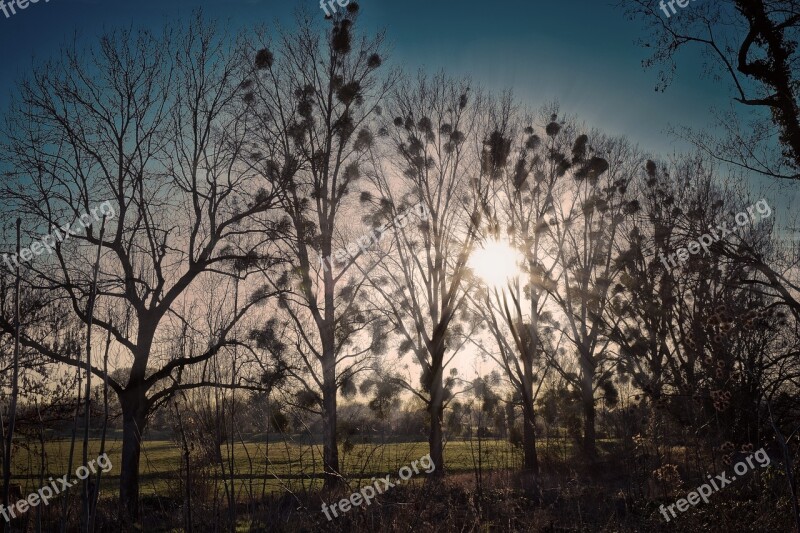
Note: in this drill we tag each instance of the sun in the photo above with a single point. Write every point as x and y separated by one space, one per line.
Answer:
495 263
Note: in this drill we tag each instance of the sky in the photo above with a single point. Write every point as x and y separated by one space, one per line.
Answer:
582 53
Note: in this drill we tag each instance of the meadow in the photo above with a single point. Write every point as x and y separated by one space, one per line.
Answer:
279 465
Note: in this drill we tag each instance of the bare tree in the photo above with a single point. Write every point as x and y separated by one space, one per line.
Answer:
586 226
752 44
520 200
311 105
152 126
430 161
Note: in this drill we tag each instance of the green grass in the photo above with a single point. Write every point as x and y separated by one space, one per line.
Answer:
291 464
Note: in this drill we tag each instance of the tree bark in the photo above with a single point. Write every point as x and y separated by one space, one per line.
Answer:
587 393
530 460
436 411
134 417
330 450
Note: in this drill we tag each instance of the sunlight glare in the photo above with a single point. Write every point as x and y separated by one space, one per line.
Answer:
495 263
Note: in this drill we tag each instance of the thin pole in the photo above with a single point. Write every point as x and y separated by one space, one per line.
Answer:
86 496
14 389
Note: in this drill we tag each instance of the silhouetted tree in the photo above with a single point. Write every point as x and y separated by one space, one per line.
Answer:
311 104
752 44
429 162
152 125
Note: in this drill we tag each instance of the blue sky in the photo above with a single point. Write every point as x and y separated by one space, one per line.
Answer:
581 52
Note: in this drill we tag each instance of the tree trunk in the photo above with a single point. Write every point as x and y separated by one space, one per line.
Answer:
330 450
134 417
436 411
187 493
531 461
587 393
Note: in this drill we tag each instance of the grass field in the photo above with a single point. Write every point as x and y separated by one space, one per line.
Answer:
287 464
